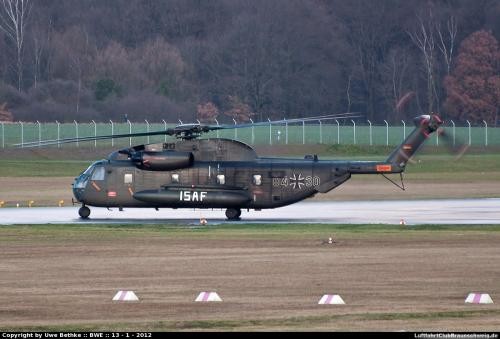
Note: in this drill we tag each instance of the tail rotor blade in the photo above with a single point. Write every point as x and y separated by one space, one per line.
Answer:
456 149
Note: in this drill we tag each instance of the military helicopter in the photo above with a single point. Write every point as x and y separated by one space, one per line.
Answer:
193 172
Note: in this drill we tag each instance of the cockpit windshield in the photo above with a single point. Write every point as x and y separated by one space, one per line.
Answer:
96 170
98 173
89 170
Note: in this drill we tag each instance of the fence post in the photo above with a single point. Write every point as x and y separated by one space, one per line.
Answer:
303 132
217 125
386 133
286 131
270 132
129 132
3 136
437 137
58 134
370 123
76 133
22 134
165 128
468 122
404 129
112 133
320 132
39 133
453 123
147 128
485 133
338 132
199 122
253 134
354 131
235 131
95 133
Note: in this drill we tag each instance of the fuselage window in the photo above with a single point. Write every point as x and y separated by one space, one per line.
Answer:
128 178
257 179
221 179
98 173
175 178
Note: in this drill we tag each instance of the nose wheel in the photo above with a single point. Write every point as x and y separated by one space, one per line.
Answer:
84 212
233 213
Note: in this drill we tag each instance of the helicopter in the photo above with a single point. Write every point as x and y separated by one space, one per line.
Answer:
220 173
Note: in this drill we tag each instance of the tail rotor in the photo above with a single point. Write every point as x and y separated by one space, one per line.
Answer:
457 149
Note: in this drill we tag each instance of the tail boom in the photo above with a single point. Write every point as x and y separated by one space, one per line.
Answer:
396 162
425 126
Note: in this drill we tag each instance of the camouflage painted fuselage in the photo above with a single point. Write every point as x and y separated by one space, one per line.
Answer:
222 174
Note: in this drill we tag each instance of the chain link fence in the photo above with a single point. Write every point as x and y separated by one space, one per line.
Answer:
306 132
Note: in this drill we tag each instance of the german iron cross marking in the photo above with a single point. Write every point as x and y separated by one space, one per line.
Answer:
294 181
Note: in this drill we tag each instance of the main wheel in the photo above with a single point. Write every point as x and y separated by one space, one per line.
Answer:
233 213
84 212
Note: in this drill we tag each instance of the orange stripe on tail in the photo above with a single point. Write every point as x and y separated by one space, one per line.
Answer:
384 168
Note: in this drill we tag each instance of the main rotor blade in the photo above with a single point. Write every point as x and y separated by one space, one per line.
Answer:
29 144
288 121
184 130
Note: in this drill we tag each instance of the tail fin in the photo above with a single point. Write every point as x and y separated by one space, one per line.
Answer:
425 126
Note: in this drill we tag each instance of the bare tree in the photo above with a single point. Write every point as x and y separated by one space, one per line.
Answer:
13 20
423 38
447 44
74 56
37 57
41 40
394 81
349 93
79 62
370 29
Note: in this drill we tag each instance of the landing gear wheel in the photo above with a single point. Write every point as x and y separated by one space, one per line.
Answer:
84 212
233 213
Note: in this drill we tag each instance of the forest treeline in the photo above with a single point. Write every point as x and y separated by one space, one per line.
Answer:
240 59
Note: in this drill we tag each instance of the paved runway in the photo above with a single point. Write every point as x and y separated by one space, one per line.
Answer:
413 212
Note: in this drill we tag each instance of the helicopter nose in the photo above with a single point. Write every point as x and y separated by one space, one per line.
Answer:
77 192
79 187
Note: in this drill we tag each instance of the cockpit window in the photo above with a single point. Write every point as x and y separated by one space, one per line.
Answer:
128 178
257 179
92 166
221 179
175 178
88 170
98 173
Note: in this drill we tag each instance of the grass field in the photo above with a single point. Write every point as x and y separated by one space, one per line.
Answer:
392 278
